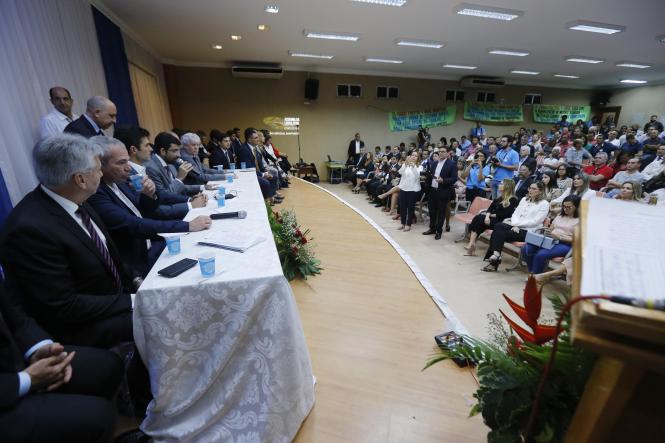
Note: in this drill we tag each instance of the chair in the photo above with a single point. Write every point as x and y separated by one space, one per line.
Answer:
477 205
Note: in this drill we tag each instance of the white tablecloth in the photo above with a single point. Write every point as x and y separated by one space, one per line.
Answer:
227 355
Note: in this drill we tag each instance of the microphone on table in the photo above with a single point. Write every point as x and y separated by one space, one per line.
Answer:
180 161
223 215
649 303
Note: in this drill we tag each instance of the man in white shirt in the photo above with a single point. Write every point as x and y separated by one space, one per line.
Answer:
54 122
657 166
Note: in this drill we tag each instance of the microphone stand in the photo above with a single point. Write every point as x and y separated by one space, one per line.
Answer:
300 162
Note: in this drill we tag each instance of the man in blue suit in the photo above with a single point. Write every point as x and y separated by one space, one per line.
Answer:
126 212
248 154
443 176
199 175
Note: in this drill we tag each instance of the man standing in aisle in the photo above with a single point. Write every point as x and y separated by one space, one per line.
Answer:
505 162
444 176
56 121
100 113
355 146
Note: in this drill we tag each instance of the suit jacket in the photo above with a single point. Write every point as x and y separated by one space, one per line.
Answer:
236 144
352 149
522 188
62 276
246 155
219 157
18 333
199 175
448 173
165 181
172 206
82 127
130 232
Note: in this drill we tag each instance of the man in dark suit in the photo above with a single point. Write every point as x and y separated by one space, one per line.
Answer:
162 167
127 213
59 255
221 153
236 143
51 393
525 177
248 154
356 147
199 175
443 175
100 113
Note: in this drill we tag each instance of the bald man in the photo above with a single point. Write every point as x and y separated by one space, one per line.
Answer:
100 114
55 121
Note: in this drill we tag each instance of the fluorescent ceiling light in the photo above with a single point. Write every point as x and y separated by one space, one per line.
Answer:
329 36
488 12
420 43
263 27
566 76
383 60
517 71
216 46
236 37
460 67
513 52
383 2
632 65
306 55
637 82
273 9
579 59
599 28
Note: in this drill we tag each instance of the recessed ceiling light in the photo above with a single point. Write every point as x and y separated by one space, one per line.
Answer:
579 59
632 65
383 2
273 9
330 36
517 71
420 43
460 67
566 76
307 55
599 28
263 27
216 46
383 60
513 52
236 37
637 82
488 12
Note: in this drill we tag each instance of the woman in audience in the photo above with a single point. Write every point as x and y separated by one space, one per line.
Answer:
562 180
474 174
366 166
409 185
500 209
528 216
455 149
561 229
621 162
579 188
630 191
552 191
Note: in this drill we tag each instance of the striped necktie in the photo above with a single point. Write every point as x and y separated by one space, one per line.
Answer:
101 247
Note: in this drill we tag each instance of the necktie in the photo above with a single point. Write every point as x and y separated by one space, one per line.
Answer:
228 160
256 160
101 247
169 174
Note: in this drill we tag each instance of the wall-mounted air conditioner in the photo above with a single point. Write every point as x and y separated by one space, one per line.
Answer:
256 70
482 82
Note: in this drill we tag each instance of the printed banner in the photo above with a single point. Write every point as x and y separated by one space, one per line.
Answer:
487 112
412 120
552 113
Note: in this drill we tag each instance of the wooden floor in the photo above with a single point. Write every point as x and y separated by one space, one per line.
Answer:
369 327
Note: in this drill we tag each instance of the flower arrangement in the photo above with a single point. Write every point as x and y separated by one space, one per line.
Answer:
293 245
509 372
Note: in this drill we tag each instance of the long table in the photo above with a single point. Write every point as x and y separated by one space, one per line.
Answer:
226 355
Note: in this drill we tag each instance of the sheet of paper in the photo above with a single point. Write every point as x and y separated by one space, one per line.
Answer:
624 250
234 239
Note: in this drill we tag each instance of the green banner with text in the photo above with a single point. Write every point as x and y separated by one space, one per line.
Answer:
552 113
486 112
412 120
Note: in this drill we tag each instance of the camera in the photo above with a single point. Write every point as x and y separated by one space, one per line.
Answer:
495 160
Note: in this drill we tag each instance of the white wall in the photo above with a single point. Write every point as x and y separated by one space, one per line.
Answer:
638 104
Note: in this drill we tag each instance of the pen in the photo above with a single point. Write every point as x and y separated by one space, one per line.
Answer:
216 245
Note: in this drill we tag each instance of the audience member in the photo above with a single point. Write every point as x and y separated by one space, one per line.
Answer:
563 181
632 173
524 179
474 174
580 187
478 131
56 121
599 173
650 145
356 148
409 186
653 123
506 163
656 166
100 114
577 157
630 191
442 176
552 189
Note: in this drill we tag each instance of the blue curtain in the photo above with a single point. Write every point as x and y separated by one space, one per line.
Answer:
116 69
5 201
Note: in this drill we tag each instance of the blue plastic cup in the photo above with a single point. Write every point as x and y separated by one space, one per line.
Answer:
232 166
229 178
137 182
221 190
243 165
173 244
207 265
221 200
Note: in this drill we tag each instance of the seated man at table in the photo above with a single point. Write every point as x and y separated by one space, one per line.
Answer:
137 142
221 153
126 212
199 175
248 155
52 393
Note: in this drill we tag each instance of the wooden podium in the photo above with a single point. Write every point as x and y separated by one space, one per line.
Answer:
624 398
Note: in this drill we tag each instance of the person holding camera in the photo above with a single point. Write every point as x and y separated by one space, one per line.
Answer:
506 163
409 190
474 174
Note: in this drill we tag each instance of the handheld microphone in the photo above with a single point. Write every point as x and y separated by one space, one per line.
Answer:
223 215
656 304
180 161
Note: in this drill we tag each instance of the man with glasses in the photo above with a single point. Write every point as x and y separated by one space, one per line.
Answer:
164 170
599 173
505 162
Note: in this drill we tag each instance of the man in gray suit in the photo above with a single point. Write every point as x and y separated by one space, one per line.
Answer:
162 167
199 175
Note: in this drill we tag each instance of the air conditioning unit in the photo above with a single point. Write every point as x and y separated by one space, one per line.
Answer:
257 70
482 82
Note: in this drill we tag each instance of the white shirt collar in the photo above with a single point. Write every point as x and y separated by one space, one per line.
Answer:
60 116
160 159
65 203
94 125
138 168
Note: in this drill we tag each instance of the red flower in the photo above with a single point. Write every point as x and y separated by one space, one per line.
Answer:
298 233
303 240
294 250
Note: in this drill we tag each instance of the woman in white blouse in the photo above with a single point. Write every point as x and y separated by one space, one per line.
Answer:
409 190
528 216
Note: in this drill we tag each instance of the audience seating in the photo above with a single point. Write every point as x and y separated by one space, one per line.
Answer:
477 205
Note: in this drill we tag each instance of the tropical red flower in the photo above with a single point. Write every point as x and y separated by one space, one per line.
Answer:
298 233
303 240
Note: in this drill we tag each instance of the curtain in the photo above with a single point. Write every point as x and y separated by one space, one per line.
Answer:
152 111
43 43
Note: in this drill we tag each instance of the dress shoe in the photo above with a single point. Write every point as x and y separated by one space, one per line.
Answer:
428 232
448 228
437 236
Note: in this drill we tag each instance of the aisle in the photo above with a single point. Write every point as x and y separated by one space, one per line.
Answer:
369 327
